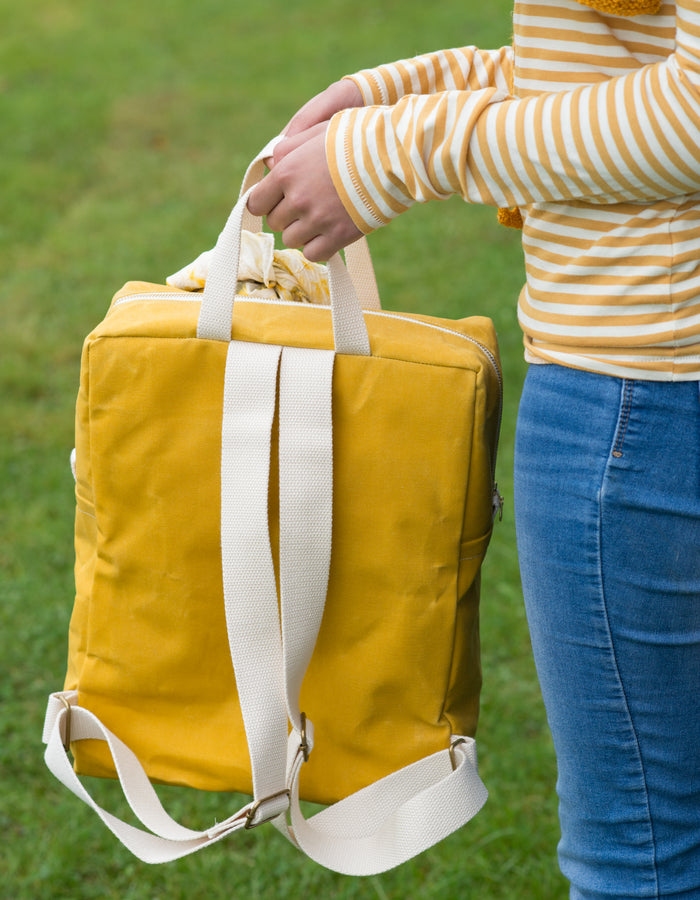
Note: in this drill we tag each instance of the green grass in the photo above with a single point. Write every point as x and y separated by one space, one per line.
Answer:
126 128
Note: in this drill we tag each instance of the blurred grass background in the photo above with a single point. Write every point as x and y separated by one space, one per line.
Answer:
125 130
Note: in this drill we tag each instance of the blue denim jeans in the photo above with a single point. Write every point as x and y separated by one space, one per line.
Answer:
607 499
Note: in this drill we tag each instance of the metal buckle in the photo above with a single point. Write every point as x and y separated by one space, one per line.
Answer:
66 733
252 812
497 502
303 743
453 758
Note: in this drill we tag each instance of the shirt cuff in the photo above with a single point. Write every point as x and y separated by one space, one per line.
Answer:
344 147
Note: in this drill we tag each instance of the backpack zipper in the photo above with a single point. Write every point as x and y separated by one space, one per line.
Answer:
196 297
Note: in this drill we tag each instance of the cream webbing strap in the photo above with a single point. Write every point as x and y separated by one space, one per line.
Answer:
395 818
250 593
250 590
168 840
361 269
306 508
403 814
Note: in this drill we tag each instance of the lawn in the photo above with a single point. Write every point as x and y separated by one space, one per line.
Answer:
126 128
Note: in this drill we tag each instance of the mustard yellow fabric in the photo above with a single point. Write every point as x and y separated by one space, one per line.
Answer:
396 669
624 7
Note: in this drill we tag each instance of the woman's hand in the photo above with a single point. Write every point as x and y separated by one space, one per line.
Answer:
299 199
340 95
298 196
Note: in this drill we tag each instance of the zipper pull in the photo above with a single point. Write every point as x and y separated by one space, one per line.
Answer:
497 504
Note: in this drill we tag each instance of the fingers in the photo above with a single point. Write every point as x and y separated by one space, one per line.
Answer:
266 195
323 246
327 239
340 95
288 191
300 201
289 144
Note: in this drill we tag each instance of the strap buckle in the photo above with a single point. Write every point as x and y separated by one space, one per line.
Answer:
253 811
303 740
453 757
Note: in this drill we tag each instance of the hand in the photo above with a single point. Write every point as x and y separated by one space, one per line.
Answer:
299 198
340 95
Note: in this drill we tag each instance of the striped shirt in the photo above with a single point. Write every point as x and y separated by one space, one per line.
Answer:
590 125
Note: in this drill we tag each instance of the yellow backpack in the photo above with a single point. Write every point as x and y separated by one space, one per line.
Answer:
282 511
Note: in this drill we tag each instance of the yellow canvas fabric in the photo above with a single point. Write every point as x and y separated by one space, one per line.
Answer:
396 667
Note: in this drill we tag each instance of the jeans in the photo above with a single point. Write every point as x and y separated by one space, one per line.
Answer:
607 499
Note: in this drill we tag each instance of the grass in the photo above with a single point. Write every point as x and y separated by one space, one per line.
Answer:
126 129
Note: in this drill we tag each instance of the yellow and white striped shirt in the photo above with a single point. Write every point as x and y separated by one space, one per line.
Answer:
598 143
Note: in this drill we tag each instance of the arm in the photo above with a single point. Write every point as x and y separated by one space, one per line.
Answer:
634 137
459 69
463 69
299 196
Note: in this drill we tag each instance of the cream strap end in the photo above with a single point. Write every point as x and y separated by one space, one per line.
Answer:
394 819
165 840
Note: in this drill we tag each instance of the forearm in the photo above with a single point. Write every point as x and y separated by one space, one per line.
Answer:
634 137
460 69
382 159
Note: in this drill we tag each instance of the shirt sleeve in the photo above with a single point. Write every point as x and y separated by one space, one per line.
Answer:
460 69
634 137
